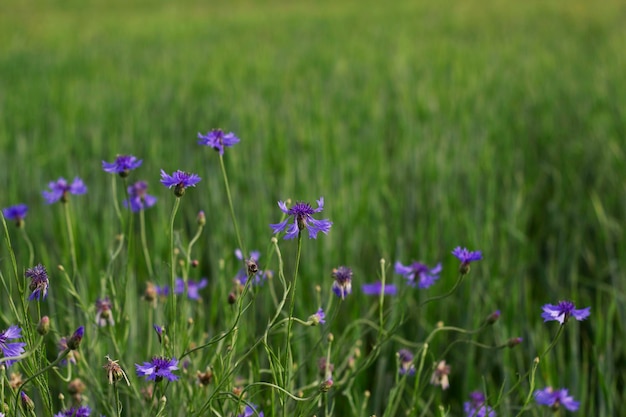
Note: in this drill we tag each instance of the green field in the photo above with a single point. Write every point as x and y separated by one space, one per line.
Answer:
494 125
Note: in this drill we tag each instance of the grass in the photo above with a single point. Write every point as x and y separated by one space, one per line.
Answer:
423 125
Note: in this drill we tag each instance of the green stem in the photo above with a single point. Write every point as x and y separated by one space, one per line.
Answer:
116 203
292 303
232 209
31 250
144 243
70 234
172 296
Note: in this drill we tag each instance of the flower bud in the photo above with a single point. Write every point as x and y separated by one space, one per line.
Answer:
74 342
43 327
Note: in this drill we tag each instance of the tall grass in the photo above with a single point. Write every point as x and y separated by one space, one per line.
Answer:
424 126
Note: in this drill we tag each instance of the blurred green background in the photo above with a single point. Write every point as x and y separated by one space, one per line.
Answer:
496 125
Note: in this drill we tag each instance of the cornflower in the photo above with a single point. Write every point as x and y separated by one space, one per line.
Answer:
82 411
60 189
466 257
376 288
122 165
418 274
218 140
405 358
11 349
563 311
440 375
103 312
556 398
251 269
343 281
318 318
302 214
250 411
193 287
158 368
179 180
16 213
139 199
39 282
476 406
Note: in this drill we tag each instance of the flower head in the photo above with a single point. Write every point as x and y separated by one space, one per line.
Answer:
405 358
251 411
104 315
440 375
27 403
10 350
139 199
71 357
376 288
60 189
476 406
158 368
74 341
179 180
82 411
418 274
39 282
114 371
302 214
122 165
466 256
318 318
343 281
563 311
218 140
258 276
16 213
193 287
556 398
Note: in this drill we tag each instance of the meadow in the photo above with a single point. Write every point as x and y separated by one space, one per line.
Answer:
424 126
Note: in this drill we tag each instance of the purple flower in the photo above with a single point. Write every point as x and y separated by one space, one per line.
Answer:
405 357
104 315
193 287
11 349
376 288
476 406
39 282
318 318
555 398
122 165
138 197
158 368
418 273
159 331
251 411
16 213
217 139
179 180
82 411
59 190
74 341
242 275
302 214
466 256
562 312
343 281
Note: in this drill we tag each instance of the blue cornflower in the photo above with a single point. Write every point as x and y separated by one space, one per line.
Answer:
39 282
377 287
405 358
122 165
104 315
563 311
318 318
16 213
60 188
466 256
556 398
251 411
258 276
179 180
476 406
193 287
302 214
343 281
11 349
82 411
138 197
418 273
218 140
158 368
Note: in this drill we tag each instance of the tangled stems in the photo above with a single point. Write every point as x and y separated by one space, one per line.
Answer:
232 209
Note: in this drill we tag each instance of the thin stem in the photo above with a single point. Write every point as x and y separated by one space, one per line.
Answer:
144 243
292 303
116 203
172 296
232 209
439 297
31 250
70 234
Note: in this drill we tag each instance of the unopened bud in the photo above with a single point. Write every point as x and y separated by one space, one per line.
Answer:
43 327
493 317
27 403
201 218
74 342
514 341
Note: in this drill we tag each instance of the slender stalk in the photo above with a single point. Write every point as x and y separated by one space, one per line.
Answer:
144 243
116 203
70 234
292 303
232 209
172 296
31 250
